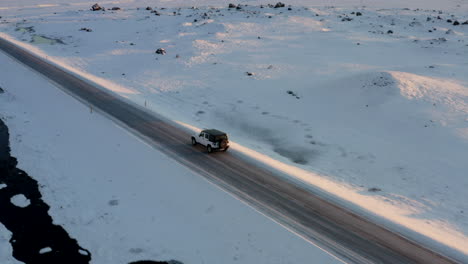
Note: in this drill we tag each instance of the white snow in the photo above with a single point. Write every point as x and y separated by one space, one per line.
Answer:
20 200
82 252
45 250
6 256
123 200
2 185
366 108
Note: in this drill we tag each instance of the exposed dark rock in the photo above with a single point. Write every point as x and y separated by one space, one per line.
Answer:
279 5
231 6
239 7
292 94
116 8
31 226
86 29
449 21
465 23
358 14
390 32
456 23
96 7
149 8
161 51
346 19
374 189
249 73
1 90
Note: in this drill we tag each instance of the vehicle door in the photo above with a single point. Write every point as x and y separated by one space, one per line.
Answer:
206 140
212 141
201 139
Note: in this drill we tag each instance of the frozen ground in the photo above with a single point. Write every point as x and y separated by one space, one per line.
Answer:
373 106
121 208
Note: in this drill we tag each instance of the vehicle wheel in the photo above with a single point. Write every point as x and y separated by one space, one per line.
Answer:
225 149
209 149
194 142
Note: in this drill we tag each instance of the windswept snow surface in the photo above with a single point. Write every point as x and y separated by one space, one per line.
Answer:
5 247
121 199
372 109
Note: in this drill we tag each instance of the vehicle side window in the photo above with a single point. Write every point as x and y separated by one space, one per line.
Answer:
206 136
212 138
201 135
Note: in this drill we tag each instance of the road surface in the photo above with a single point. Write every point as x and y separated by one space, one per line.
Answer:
346 235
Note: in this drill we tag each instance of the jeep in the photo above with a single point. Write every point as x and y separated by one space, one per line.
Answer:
212 139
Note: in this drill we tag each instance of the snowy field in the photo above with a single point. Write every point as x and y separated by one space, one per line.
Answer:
124 209
371 107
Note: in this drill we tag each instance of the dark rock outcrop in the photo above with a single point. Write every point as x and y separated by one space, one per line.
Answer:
279 5
96 7
35 238
161 51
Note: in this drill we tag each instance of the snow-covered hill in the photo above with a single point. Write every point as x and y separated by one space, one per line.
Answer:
370 98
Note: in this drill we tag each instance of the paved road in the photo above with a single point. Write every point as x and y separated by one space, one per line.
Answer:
346 235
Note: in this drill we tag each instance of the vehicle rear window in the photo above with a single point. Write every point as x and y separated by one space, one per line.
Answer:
221 137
